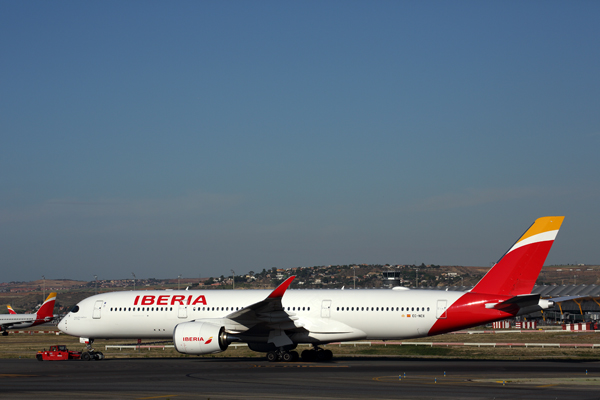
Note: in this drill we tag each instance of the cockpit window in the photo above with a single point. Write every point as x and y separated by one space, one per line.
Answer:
74 309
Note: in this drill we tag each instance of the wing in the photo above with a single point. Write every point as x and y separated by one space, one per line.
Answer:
269 315
268 310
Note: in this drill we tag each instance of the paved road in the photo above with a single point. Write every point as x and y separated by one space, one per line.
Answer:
344 378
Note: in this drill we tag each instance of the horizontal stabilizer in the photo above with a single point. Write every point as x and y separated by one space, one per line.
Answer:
516 303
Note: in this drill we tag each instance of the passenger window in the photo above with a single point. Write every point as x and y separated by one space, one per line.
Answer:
352 308
427 308
338 309
303 308
413 309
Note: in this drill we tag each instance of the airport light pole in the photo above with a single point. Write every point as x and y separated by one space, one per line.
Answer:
233 278
96 284
354 275
178 278
417 277
132 274
44 288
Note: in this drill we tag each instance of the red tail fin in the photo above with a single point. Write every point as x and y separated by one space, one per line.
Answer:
518 269
10 310
47 309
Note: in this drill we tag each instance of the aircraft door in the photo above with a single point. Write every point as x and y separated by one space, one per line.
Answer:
97 309
182 311
325 308
442 309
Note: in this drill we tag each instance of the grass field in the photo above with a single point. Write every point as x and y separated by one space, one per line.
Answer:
21 345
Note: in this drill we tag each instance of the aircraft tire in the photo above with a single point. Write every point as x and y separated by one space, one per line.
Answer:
309 355
287 357
328 355
39 357
86 357
295 355
99 356
272 356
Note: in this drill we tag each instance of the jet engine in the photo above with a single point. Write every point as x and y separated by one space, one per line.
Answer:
199 337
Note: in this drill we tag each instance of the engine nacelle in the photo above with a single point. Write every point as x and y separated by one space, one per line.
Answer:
198 337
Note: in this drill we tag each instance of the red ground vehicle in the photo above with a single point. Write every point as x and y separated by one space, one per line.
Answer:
58 353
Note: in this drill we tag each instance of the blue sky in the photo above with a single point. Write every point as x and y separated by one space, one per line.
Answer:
192 138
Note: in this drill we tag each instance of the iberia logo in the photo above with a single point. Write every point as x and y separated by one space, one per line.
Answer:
209 340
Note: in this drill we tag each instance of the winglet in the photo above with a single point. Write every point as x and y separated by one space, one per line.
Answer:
280 290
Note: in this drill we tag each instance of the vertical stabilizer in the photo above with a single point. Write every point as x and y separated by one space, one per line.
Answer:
10 309
47 309
518 270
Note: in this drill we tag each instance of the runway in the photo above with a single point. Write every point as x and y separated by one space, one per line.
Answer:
344 378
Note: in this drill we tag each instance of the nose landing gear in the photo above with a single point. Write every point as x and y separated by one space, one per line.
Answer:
91 354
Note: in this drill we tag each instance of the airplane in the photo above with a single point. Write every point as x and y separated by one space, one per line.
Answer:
276 322
10 310
18 321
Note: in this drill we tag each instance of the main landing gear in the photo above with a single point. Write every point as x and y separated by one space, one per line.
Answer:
315 354
282 355
91 354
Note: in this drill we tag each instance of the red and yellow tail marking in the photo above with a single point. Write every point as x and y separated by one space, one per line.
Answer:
543 229
518 269
515 274
47 309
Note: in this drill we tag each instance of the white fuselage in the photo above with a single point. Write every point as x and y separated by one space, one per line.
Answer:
329 315
19 321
